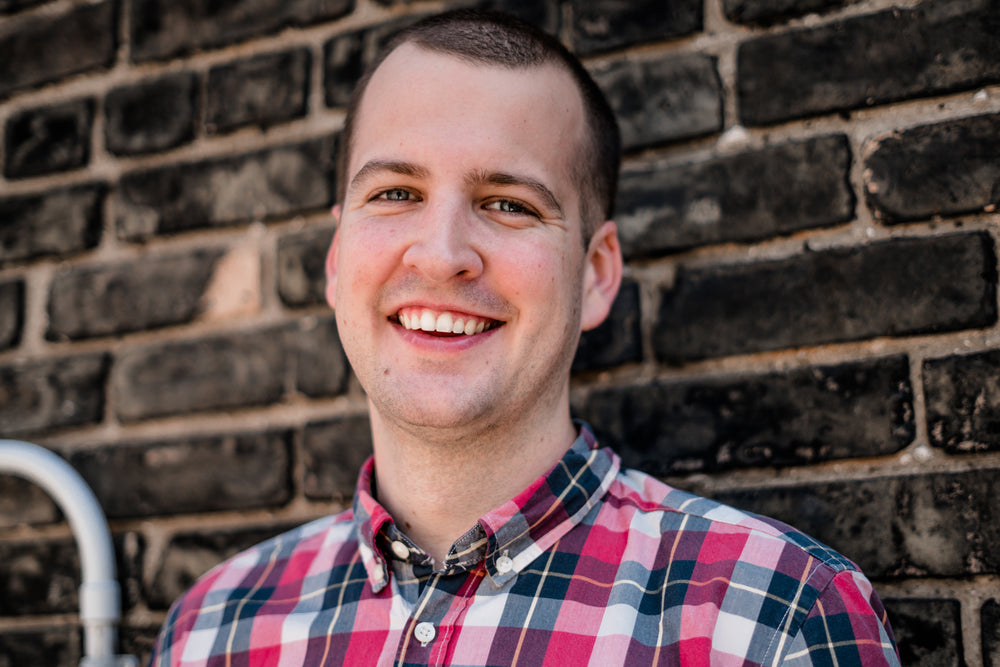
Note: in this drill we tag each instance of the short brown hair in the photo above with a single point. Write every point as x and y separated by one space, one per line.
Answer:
494 38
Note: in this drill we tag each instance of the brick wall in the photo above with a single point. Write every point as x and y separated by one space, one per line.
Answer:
808 326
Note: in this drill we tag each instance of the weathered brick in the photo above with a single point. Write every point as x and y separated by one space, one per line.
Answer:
57 222
801 417
345 57
241 369
321 367
939 46
618 340
302 266
928 632
333 452
263 185
893 288
197 474
990 618
187 556
746 197
12 307
264 90
137 641
86 301
942 169
37 396
930 525
663 99
161 28
51 646
962 393
24 503
767 12
602 25
42 576
11 6
42 48
48 139
151 115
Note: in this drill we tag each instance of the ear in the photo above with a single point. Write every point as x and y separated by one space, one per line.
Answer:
331 263
602 275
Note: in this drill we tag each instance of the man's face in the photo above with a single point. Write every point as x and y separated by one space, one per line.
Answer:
457 274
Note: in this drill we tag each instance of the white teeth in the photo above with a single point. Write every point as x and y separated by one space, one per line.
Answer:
428 320
443 323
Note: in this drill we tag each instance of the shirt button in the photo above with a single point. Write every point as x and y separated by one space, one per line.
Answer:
504 564
378 575
401 550
424 632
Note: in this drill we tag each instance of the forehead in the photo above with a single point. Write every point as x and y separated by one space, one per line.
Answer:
428 104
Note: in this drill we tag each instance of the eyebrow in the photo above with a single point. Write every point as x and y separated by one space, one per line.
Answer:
400 167
500 178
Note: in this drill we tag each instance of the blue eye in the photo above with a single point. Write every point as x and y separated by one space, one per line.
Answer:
395 194
508 206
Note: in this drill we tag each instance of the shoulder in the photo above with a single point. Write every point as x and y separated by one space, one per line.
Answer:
680 512
277 568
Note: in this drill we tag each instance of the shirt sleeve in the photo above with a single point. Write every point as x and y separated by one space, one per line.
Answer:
846 626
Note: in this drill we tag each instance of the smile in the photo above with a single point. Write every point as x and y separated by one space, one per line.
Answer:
424 319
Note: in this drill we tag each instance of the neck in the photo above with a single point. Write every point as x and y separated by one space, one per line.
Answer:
436 488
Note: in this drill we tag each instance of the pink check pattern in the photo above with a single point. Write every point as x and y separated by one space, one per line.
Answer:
591 565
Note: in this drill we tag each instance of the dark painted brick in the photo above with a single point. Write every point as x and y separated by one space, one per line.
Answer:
187 556
746 197
321 367
767 12
301 266
661 100
602 25
263 185
197 474
42 576
151 115
893 288
51 647
42 48
11 6
963 402
57 222
618 340
800 417
943 524
86 301
940 46
346 56
162 28
23 503
12 307
137 641
38 396
545 14
264 90
990 617
943 169
333 452
48 139
240 369
928 632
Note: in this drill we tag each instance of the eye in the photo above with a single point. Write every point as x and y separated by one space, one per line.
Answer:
394 194
508 206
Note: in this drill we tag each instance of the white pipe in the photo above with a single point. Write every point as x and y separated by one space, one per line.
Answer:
100 602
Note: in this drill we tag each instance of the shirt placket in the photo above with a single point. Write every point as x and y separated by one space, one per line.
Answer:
436 618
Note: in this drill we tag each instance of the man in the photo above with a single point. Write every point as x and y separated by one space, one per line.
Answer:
473 247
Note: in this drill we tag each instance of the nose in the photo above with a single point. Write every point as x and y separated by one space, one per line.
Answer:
443 245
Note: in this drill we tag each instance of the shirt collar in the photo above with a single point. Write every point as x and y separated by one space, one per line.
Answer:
511 536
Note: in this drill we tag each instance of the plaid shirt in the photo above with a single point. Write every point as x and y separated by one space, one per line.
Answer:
589 565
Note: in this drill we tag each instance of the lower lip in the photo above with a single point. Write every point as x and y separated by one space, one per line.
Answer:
431 343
